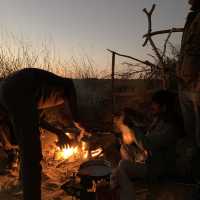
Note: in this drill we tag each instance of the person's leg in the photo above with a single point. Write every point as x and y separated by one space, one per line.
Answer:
122 178
189 151
196 103
197 122
31 170
26 129
188 112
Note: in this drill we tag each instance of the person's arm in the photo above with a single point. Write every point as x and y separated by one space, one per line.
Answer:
162 136
128 135
4 132
63 139
70 106
190 67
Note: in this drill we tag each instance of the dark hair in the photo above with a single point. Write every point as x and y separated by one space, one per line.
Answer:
133 118
169 101
164 98
196 6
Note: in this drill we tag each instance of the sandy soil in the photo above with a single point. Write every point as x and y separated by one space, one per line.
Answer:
55 173
52 179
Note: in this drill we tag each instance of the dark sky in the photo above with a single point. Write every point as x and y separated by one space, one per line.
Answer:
79 27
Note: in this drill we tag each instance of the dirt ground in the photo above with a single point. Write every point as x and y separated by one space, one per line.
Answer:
52 179
11 189
56 173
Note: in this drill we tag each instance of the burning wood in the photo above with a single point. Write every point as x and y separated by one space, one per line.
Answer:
66 152
78 152
97 152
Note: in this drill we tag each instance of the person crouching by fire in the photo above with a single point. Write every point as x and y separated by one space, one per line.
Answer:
22 95
146 155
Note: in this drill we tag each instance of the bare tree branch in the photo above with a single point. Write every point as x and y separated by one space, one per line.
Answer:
173 30
134 72
149 21
159 70
148 38
165 44
138 60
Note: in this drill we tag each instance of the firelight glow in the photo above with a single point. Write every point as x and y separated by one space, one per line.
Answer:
77 152
69 151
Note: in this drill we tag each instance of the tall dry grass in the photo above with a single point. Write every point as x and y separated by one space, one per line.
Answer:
16 54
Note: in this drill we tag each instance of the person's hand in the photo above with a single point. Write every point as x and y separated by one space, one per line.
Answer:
124 154
82 130
63 140
9 147
128 135
118 122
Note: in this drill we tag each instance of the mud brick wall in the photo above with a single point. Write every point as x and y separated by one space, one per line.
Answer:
95 98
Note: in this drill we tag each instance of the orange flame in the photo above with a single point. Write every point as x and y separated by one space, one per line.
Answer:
66 152
79 152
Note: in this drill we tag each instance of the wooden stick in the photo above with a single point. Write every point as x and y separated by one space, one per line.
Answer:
165 44
45 125
136 59
173 30
113 86
149 14
150 40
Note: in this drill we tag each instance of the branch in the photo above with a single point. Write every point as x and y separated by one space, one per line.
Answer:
149 14
133 64
134 72
138 60
148 38
45 125
173 30
165 44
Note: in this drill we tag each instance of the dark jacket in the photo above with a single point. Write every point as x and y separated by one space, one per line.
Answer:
160 142
189 62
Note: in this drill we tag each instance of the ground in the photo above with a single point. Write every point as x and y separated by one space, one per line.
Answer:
56 172
11 190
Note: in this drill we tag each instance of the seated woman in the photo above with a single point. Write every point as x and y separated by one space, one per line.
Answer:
156 148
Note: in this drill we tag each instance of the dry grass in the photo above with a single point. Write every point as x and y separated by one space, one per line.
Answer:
16 54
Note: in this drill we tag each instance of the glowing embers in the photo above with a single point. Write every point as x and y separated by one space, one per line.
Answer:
97 152
66 152
78 152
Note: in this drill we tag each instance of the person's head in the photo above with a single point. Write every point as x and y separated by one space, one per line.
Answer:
162 102
195 4
129 117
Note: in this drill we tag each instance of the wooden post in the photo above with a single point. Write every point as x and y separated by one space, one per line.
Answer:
113 85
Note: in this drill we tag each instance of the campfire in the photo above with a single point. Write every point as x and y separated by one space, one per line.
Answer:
65 169
79 151
66 152
60 164
75 152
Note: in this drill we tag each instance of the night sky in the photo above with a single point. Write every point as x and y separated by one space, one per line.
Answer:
89 27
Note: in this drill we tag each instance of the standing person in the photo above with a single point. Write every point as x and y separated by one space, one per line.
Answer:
22 95
188 71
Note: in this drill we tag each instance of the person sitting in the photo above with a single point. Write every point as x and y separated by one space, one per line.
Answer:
156 149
